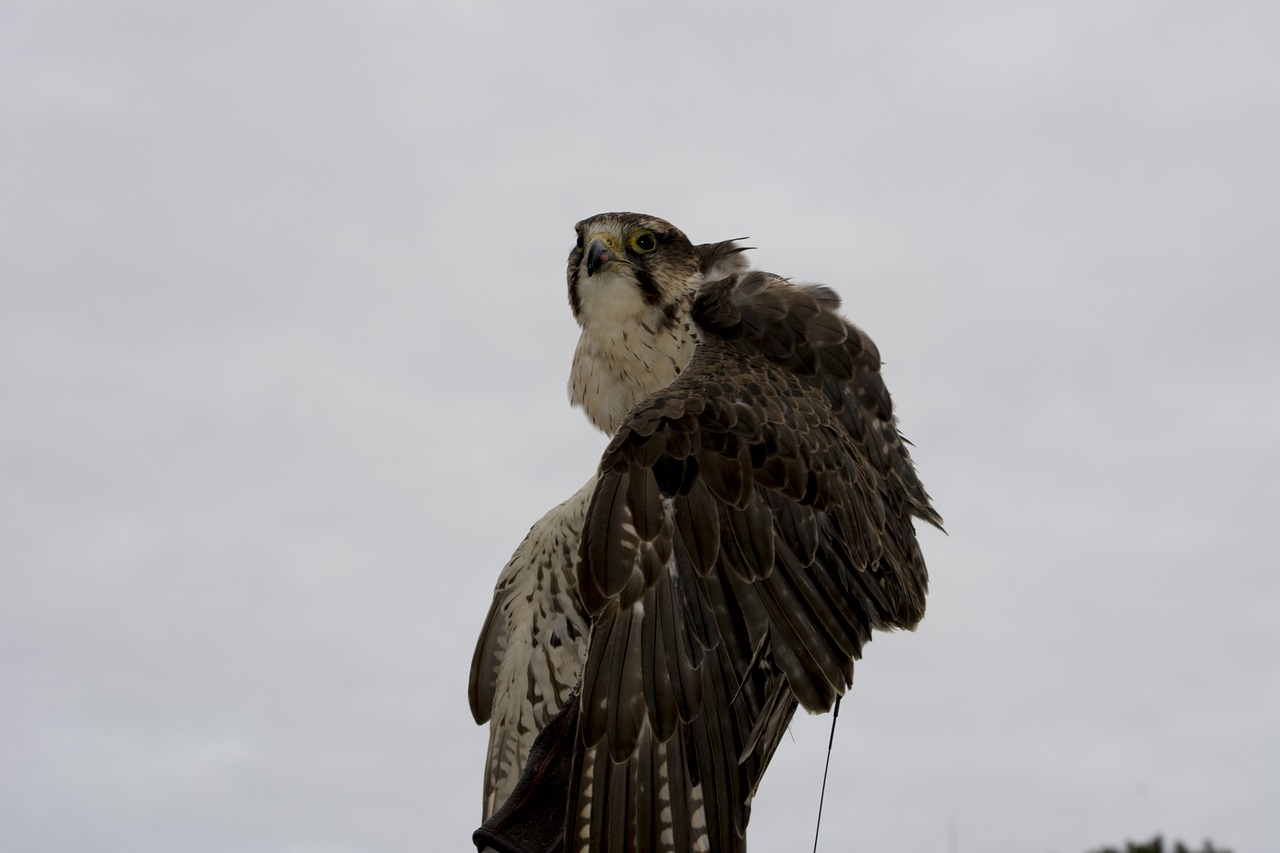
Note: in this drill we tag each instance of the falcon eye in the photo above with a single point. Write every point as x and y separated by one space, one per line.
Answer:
644 241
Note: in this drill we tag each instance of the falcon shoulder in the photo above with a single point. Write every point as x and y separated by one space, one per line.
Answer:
530 649
751 524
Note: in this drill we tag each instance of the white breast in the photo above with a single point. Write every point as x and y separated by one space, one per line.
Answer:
616 367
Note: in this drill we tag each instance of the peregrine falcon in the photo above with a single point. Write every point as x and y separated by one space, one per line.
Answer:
750 524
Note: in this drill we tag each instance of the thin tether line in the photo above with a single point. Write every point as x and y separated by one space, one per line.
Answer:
834 713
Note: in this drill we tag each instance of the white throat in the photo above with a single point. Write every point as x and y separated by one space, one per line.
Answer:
627 351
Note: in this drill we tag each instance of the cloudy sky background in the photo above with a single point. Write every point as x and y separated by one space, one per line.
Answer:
283 347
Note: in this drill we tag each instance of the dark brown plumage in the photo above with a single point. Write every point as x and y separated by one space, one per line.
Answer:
750 524
750 527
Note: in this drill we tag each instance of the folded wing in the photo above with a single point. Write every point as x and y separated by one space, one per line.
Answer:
751 524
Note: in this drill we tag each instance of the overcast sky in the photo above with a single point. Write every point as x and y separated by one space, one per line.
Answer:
283 352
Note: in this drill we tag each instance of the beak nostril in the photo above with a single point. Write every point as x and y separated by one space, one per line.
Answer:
597 256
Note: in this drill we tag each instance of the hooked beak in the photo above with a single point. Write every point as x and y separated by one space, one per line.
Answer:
600 253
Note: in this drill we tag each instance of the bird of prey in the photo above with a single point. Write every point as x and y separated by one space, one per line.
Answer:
750 524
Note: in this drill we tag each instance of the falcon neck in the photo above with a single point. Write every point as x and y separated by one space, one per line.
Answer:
616 366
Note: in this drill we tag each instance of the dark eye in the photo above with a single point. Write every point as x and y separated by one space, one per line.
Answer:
644 242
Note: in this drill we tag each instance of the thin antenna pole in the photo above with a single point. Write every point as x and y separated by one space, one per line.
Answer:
821 797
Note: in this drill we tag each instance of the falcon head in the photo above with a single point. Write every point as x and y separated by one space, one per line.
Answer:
628 265
632 279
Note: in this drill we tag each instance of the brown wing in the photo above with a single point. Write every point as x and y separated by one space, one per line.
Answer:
751 525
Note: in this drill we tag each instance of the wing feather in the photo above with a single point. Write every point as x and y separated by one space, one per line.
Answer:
698 523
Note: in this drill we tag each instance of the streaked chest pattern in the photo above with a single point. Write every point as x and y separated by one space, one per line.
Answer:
614 367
